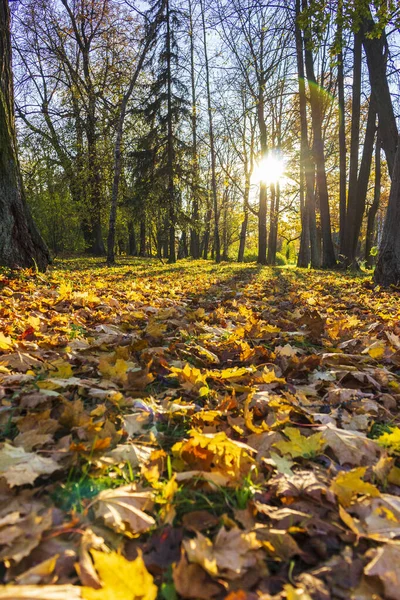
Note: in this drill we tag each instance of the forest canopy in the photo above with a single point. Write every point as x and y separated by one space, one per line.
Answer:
231 130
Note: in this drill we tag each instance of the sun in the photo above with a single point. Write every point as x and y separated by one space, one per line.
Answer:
270 169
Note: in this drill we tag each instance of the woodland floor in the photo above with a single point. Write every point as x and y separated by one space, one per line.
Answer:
198 431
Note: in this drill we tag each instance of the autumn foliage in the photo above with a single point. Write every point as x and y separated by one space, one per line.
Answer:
198 431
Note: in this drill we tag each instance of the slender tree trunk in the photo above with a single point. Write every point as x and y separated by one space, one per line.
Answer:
305 157
142 249
356 212
273 227
352 199
170 147
387 270
20 243
119 135
303 259
376 50
194 230
369 240
328 252
262 208
206 238
132 246
217 243
342 133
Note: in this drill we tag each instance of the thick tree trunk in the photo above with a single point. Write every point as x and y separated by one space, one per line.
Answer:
387 270
370 235
376 50
20 243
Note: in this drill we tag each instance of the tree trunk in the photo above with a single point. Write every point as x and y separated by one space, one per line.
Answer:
119 134
142 249
354 151
310 220
355 212
387 270
273 228
243 234
303 259
132 246
217 243
342 132
376 50
20 243
328 252
369 239
194 230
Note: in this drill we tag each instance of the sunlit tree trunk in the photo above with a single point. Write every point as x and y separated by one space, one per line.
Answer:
328 252
309 221
194 230
217 243
20 243
342 131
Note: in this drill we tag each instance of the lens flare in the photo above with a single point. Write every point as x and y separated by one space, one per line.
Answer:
270 169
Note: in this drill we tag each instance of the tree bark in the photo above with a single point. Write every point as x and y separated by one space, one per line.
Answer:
342 132
376 50
273 227
309 222
369 239
354 151
20 243
387 270
328 252
194 230
119 135
217 243
355 211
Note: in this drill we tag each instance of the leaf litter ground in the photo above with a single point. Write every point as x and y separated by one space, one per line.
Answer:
198 431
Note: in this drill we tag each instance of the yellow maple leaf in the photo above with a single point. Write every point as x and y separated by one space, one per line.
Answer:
5 342
300 445
121 579
190 378
64 291
391 440
214 453
377 350
117 371
155 329
233 373
61 369
350 484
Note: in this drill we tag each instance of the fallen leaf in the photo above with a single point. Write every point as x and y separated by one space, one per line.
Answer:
123 509
385 565
349 484
121 579
19 467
